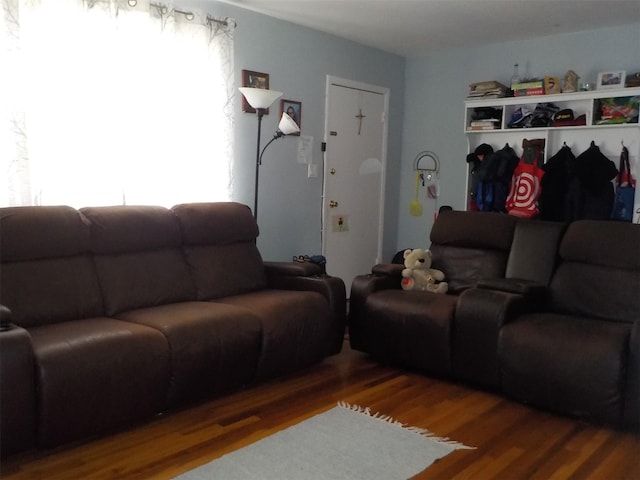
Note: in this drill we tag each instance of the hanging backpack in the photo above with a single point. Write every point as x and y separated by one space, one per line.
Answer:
522 200
625 190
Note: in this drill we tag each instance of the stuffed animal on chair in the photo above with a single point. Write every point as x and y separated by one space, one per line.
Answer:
418 274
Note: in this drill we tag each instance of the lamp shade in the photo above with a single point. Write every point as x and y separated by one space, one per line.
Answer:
287 125
260 97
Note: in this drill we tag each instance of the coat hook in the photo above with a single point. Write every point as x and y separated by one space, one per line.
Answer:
435 160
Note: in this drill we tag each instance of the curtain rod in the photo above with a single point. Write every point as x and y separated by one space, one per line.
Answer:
165 9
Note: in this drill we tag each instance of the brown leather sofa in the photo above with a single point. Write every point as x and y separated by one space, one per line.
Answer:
115 314
544 312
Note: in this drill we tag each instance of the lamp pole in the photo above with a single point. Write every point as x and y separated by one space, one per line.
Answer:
260 113
260 99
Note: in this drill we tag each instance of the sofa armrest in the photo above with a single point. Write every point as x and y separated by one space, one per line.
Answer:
535 294
384 277
17 384
480 314
631 413
292 269
388 269
5 318
308 277
513 285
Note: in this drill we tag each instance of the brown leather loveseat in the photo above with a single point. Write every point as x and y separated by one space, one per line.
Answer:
115 314
544 312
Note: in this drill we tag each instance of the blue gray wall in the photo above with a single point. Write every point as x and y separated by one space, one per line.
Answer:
438 83
427 113
298 61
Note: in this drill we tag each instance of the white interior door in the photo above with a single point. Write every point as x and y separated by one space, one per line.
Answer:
354 173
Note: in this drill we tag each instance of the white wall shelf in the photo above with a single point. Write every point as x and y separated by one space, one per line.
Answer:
608 137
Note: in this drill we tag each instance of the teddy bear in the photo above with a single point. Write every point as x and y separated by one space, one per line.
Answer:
418 274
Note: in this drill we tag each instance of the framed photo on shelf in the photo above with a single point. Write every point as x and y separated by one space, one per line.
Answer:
613 79
551 85
255 80
294 110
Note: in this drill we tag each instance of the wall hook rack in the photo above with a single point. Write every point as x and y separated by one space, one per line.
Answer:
427 162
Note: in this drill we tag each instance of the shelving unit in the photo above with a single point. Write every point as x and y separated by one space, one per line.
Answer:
609 138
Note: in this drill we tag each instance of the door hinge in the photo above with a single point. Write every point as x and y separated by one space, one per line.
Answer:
323 147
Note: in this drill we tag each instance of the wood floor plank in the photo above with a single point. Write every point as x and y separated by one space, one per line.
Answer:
512 441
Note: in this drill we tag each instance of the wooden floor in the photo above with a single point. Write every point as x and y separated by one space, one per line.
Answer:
512 441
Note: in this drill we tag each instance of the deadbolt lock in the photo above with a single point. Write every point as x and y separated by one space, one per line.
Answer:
332 171
333 204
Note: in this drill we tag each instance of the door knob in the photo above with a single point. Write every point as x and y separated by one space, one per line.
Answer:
333 204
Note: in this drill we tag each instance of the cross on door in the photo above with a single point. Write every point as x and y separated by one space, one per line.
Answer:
360 116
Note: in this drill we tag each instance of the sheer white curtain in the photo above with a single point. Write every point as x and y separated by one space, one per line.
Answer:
108 102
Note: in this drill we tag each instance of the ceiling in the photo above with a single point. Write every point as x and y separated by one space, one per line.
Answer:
408 27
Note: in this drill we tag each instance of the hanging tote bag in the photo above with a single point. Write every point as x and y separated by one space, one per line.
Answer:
522 200
625 190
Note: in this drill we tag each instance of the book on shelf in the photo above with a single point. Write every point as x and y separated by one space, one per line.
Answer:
527 85
487 89
483 127
485 122
528 92
527 89
487 95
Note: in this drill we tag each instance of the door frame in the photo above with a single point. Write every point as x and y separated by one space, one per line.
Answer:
385 92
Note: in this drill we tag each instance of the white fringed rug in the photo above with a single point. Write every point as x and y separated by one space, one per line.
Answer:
346 442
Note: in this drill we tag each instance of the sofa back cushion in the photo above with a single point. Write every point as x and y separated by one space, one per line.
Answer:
468 246
534 250
46 273
138 256
220 248
599 271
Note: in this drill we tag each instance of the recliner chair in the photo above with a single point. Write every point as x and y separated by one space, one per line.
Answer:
413 328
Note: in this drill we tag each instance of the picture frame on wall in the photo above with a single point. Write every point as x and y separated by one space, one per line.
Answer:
612 79
294 110
255 80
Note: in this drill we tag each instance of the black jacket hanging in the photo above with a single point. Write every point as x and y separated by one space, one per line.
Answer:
493 178
591 193
558 171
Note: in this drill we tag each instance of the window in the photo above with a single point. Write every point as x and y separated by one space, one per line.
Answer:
108 102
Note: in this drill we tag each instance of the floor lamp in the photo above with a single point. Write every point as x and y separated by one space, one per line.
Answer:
261 99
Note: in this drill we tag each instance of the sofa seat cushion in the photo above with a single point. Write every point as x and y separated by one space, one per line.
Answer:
566 364
409 328
296 330
97 374
214 347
